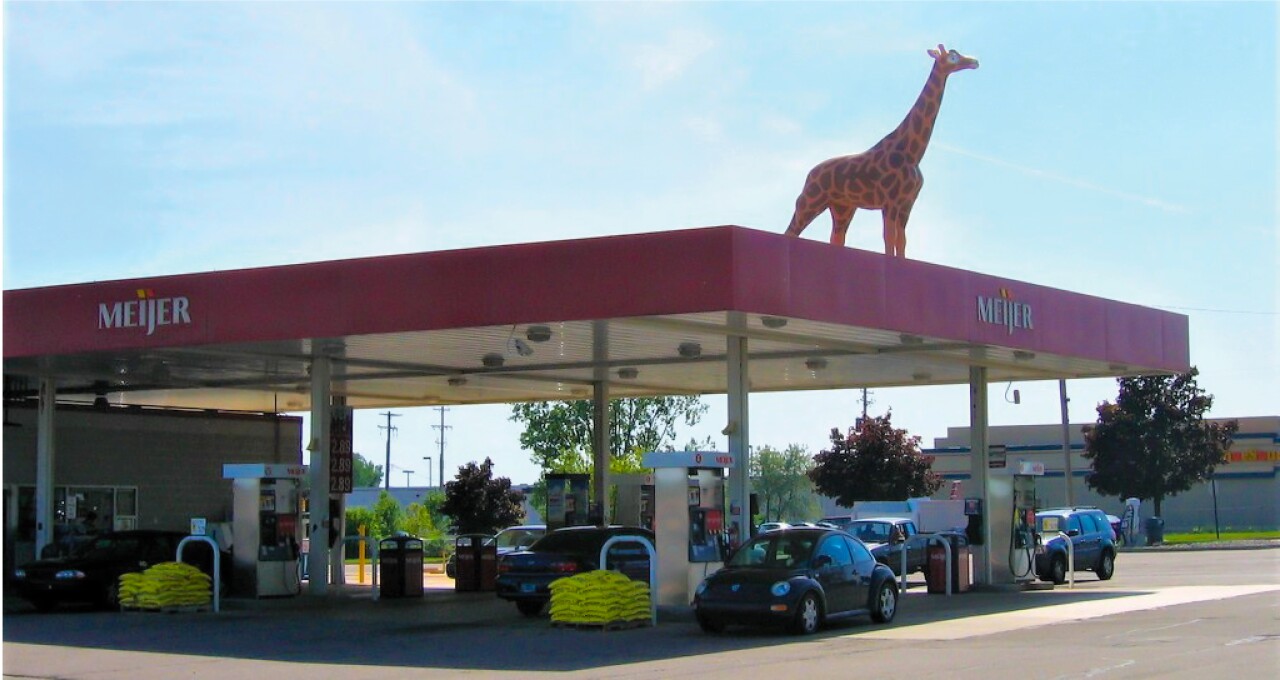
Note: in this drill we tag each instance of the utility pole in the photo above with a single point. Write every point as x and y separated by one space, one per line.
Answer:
428 459
866 401
391 429
406 477
442 427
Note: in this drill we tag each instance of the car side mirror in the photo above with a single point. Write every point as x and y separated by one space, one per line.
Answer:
1073 532
822 561
896 538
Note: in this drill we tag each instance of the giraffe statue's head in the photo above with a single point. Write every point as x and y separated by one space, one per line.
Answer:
950 61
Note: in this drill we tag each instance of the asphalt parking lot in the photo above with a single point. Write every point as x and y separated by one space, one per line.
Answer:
1225 602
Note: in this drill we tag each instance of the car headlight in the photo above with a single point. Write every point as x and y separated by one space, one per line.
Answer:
780 588
702 588
69 575
19 573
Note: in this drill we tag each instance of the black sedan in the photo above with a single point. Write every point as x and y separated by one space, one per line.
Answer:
799 579
525 576
92 572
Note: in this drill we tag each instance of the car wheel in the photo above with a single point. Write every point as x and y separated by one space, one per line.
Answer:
1058 570
450 571
885 604
1106 566
710 625
808 615
530 607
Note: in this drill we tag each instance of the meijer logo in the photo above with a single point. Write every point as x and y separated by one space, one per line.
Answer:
1003 311
147 312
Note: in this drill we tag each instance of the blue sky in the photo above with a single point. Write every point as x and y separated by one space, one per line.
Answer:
1126 150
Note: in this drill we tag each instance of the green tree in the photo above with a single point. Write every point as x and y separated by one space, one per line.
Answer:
357 517
418 521
552 428
781 482
387 515
1154 441
479 503
874 462
365 474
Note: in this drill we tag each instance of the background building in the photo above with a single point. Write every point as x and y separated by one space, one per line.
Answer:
1248 488
134 467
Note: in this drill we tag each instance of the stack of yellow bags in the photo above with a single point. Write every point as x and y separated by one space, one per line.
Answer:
598 598
168 584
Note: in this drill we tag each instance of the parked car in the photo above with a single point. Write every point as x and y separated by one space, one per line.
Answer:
1117 528
1092 541
886 537
798 579
91 573
839 521
508 540
525 576
771 526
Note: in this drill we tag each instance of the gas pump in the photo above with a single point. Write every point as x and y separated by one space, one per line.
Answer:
688 519
1023 541
265 528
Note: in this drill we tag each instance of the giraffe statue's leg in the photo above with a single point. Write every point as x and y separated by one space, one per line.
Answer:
841 216
807 208
895 230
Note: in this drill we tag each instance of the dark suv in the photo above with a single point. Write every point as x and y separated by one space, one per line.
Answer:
1092 541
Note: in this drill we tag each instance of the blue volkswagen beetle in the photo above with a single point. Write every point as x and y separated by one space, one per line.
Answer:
797 578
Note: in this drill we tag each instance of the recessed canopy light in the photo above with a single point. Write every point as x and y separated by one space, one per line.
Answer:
815 363
690 350
538 333
773 321
457 381
492 360
628 373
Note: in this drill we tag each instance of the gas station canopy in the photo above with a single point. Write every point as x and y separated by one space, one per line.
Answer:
650 314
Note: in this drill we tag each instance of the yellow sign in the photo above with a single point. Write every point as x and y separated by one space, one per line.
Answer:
1253 456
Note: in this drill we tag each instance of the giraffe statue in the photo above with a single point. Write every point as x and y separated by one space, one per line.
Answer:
887 176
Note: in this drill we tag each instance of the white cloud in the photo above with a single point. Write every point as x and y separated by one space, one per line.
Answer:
1148 201
663 62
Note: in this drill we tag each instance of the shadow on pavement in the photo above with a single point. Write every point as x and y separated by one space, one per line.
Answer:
444 629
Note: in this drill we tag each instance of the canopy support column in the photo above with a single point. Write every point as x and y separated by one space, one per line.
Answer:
600 452
978 467
318 555
45 455
739 442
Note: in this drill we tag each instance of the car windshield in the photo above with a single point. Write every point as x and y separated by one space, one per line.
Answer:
871 532
775 551
517 539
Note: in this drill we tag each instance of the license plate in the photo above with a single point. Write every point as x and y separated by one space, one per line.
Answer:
528 587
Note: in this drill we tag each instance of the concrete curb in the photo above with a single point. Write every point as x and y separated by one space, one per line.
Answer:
1263 544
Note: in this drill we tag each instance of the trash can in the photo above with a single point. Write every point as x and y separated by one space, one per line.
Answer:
400 567
936 568
473 552
1155 531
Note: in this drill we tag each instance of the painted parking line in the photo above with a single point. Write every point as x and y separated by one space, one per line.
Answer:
987 624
